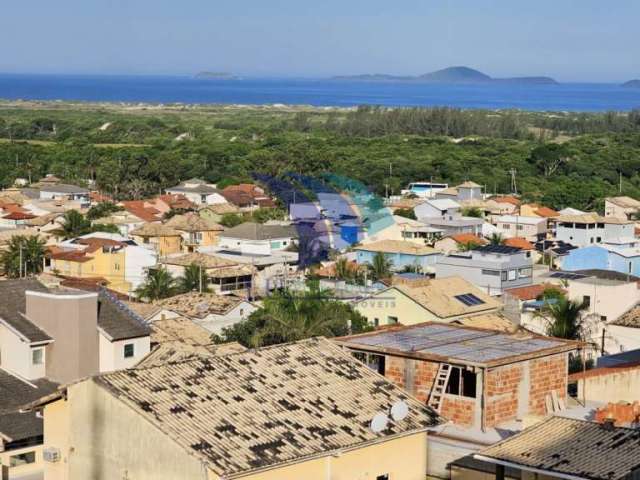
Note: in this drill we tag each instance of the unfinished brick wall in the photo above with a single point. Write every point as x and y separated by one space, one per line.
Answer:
460 410
423 379
502 385
547 374
394 370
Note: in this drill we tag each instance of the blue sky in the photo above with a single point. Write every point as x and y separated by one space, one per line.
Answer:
571 40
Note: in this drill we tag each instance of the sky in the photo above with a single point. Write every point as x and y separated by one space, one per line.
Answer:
570 40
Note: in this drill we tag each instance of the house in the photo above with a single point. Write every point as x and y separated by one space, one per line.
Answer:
226 276
535 210
423 190
21 434
65 334
530 228
15 219
124 220
590 228
522 305
401 228
440 208
492 268
198 191
216 212
258 238
143 210
208 310
247 195
163 239
401 255
622 257
622 208
483 381
623 333
264 414
566 448
458 242
469 191
122 262
456 225
438 300
196 231
62 191
612 383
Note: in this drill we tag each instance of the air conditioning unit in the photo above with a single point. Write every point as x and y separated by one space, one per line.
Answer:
51 454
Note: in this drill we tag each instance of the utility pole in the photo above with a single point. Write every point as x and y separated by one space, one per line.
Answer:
602 342
200 278
20 266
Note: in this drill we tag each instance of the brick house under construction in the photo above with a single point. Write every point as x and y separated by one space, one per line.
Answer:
475 378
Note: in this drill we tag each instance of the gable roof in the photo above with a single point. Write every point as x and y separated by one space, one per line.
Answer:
63 188
155 230
464 238
546 212
631 318
439 297
258 231
469 184
518 242
141 210
265 408
624 202
507 199
397 246
451 343
179 329
192 222
117 320
13 305
200 305
567 446
529 292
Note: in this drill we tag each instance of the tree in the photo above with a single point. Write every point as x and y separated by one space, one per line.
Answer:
103 209
496 239
29 249
466 246
344 271
231 220
263 215
286 317
564 319
472 212
406 213
75 224
159 284
380 266
194 279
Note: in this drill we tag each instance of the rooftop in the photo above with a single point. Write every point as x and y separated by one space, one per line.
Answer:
469 184
12 308
565 446
192 222
518 242
467 238
398 246
257 231
275 406
547 212
631 318
179 330
624 202
178 352
528 292
451 343
63 188
155 230
499 249
589 218
199 305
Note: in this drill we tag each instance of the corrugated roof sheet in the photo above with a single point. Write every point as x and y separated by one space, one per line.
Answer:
572 447
268 407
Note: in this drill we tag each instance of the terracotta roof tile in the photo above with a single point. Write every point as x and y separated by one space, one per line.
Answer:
518 242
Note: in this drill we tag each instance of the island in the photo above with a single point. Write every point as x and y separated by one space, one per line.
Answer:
215 76
464 75
632 84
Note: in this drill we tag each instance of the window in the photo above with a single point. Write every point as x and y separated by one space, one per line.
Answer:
525 272
506 226
493 273
22 459
462 382
469 299
392 320
129 350
371 360
37 356
383 477
512 274
503 276
586 300
376 322
203 198
603 318
519 227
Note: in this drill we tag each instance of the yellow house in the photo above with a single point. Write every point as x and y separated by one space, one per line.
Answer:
427 300
164 239
101 257
300 411
196 231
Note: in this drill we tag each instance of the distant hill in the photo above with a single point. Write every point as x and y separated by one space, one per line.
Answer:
632 84
215 76
449 75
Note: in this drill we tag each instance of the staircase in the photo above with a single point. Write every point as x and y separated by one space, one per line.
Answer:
439 386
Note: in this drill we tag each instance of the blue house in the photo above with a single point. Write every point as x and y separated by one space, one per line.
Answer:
623 259
401 253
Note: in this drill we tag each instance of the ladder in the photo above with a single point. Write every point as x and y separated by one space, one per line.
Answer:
439 386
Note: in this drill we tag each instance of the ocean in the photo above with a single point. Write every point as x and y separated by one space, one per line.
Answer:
578 97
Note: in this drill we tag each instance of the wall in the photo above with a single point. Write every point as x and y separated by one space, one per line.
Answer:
622 339
400 260
392 303
617 386
594 257
403 459
606 298
71 320
100 438
15 354
18 471
137 260
112 353
547 374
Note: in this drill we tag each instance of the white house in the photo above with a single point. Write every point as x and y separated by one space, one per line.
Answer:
531 228
589 228
441 208
256 238
199 192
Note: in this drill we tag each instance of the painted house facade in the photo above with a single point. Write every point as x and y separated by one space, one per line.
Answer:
402 254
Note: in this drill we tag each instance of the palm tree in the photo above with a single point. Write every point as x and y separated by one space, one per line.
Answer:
381 266
194 279
159 284
564 319
343 269
496 239
29 249
75 224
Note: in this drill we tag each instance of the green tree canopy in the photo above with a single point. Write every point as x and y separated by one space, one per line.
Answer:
29 250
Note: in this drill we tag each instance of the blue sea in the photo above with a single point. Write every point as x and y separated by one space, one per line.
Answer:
579 97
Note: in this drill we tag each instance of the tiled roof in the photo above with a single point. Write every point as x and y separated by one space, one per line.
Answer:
624 202
155 230
464 238
199 305
439 297
257 231
144 310
589 218
547 212
397 246
269 407
529 292
177 351
13 305
19 216
507 199
179 330
469 184
14 393
141 210
192 222
518 242
63 188
117 320
631 318
221 208
200 259
573 447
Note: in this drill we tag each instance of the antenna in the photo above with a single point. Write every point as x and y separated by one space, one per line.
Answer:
399 411
379 422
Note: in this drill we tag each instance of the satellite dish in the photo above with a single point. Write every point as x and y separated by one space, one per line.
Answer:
399 411
379 422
